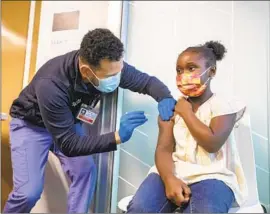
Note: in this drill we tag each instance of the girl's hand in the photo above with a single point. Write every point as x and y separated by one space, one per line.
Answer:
182 106
177 191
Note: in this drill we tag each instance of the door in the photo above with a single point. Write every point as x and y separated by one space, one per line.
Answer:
14 40
19 47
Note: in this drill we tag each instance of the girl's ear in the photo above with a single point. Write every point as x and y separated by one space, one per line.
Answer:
212 72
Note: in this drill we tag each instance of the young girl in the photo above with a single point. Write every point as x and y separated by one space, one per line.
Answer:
198 168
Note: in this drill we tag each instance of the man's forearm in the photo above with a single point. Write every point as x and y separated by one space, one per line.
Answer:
117 138
157 89
73 145
141 82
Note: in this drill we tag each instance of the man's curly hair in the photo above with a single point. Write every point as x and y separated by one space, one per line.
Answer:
100 44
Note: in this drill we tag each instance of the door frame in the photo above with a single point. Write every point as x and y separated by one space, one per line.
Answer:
268 87
111 110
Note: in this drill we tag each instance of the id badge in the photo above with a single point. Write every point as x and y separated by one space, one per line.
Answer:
87 114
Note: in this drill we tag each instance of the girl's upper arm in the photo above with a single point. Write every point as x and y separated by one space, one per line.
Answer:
165 137
221 126
226 112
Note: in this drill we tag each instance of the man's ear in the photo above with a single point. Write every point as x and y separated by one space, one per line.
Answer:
84 71
83 68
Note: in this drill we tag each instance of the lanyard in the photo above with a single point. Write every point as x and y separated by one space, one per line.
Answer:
94 101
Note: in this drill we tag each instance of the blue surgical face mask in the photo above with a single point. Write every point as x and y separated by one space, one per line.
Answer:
108 84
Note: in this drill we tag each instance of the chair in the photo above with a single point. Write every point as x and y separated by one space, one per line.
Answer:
246 153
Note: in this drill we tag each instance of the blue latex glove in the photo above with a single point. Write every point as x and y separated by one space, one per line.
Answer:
166 108
129 122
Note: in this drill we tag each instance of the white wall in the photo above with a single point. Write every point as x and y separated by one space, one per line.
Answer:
93 14
251 70
165 29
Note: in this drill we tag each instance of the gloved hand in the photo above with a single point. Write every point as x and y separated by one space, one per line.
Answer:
166 108
129 122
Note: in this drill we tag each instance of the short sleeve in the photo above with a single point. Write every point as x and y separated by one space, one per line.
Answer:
224 106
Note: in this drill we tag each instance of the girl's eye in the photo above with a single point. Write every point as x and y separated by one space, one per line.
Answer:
192 68
179 71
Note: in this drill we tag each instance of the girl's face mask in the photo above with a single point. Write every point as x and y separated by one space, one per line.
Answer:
190 83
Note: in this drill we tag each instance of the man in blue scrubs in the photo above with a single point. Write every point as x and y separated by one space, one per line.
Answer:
63 94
